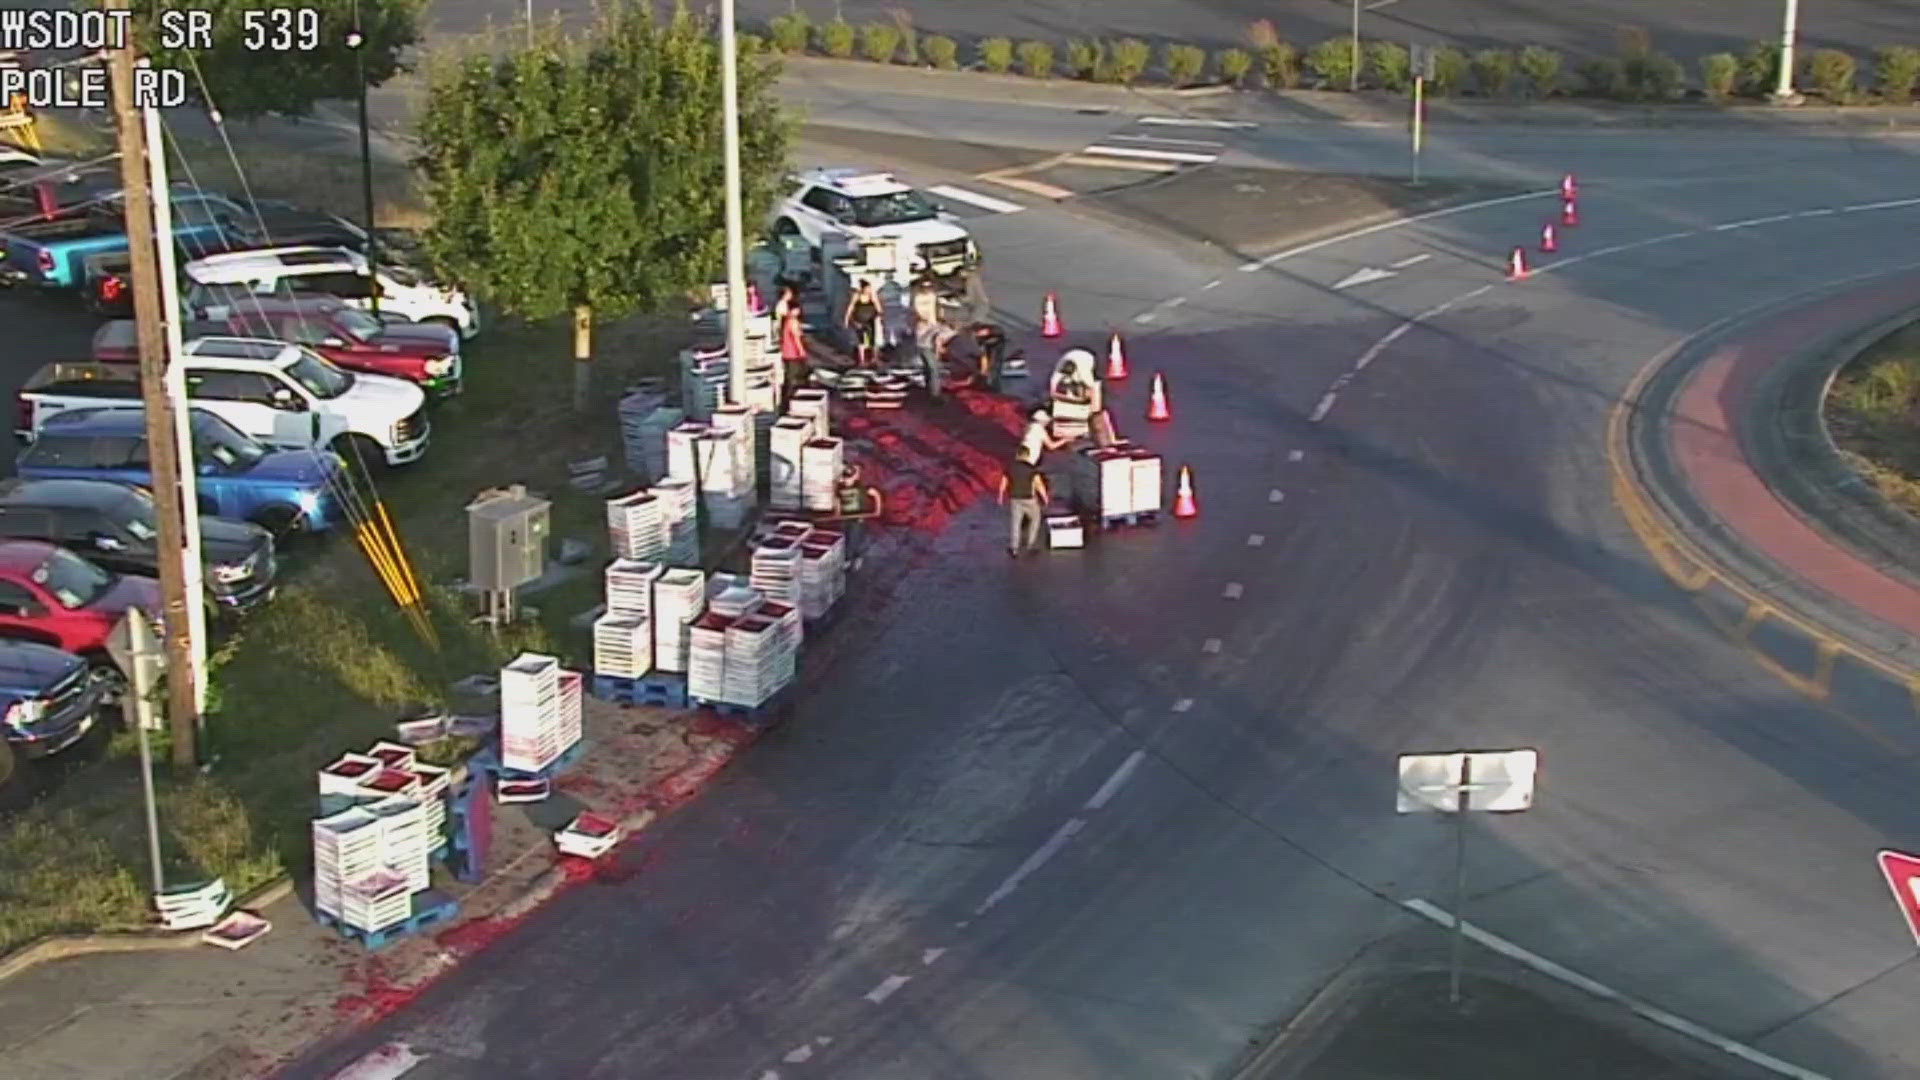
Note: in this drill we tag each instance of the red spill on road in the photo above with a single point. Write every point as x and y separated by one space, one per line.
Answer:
380 994
929 468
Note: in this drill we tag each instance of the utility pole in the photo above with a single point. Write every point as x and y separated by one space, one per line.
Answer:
358 43
1353 76
183 711
736 240
1783 92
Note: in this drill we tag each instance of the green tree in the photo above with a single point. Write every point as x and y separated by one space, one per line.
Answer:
1719 73
1542 69
247 74
585 177
1896 69
1391 65
1233 65
1184 63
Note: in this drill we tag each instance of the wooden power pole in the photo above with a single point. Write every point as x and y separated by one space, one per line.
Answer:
183 698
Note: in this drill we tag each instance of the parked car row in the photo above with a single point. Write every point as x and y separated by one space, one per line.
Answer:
295 386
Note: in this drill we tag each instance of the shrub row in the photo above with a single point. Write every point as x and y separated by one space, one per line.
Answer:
1637 71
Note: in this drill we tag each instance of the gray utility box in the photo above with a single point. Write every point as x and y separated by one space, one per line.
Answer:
506 538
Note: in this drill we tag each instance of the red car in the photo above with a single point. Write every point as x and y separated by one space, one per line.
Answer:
52 596
422 353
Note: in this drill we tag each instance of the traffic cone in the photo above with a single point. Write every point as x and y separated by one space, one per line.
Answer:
1157 401
1116 360
1050 318
1184 505
1569 190
1517 265
1569 214
1548 241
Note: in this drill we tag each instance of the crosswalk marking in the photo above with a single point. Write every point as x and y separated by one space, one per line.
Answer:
1187 156
1195 121
1208 143
984 202
1118 163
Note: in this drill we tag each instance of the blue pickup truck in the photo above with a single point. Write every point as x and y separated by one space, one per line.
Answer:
51 251
49 700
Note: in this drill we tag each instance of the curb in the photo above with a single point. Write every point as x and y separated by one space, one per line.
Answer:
62 946
1735 588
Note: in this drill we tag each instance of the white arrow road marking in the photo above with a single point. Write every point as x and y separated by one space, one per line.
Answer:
1364 275
984 202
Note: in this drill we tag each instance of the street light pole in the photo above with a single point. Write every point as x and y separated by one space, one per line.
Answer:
1783 92
1353 75
358 43
736 240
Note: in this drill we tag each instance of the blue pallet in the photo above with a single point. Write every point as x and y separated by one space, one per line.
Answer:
561 764
1144 517
663 688
752 713
430 908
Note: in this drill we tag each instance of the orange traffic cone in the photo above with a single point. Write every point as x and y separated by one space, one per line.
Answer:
1050 318
1517 265
1569 214
1549 242
1116 360
1569 190
1157 401
1184 505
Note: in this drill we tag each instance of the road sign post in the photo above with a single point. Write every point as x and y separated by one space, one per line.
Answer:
1421 57
1491 781
131 644
1902 872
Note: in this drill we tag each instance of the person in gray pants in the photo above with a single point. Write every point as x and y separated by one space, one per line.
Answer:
1025 490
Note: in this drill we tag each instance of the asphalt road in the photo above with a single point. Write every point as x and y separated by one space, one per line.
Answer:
1115 813
1686 28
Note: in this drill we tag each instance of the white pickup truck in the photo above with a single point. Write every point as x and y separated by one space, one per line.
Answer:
282 394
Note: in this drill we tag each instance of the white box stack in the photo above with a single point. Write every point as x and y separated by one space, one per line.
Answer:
723 495
791 628
645 419
813 406
776 570
637 526
736 601
406 840
738 421
344 776
630 586
820 462
822 572
573 692
533 729
785 442
756 666
703 380
346 847
707 657
677 500
681 439
378 900
679 597
435 785
1114 472
1148 494
622 646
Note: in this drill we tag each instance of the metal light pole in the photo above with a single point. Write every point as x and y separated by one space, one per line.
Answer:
357 42
1353 76
736 240
141 660
1783 92
529 24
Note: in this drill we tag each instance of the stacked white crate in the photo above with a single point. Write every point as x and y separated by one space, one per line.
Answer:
776 570
757 665
813 406
679 597
738 421
644 421
785 444
535 726
820 463
1115 481
707 657
703 380
677 501
629 586
1147 490
724 497
792 628
347 846
406 840
736 601
681 439
622 646
573 693
377 900
822 572
637 526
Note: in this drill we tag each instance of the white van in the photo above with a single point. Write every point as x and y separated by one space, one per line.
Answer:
339 272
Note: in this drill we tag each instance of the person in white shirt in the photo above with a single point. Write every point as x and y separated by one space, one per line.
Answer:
1038 438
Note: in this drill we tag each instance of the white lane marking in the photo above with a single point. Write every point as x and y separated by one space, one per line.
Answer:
1119 778
1034 862
1190 121
1573 978
1255 540
887 987
1295 455
1888 205
1321 410
1178 301
387 1062
1276 495
1122 163
1212 646
1146 316
1363 276
769 1075
1414 261
984 202
823 1040
799 1054
1751 222
1378 4
1151 155
1234 590
1183 704
1208 143
928 956
1281 256
1211 285
1822 212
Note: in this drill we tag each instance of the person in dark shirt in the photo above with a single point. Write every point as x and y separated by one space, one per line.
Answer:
1025 491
